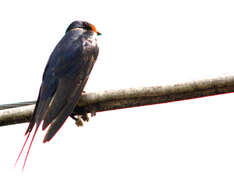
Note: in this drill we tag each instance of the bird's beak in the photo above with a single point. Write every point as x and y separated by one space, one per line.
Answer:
98 33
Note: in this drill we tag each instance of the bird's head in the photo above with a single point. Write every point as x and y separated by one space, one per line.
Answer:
82 25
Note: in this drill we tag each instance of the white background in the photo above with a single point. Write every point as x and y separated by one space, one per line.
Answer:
181 145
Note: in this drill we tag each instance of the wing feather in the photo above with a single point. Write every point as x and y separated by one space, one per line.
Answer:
62 97
63 114
45 95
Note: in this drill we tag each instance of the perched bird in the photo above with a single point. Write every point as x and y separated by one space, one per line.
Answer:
64 78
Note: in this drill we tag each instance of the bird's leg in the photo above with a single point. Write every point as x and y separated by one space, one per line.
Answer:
77 119
73 116
93 113
85 117
80 115
80 118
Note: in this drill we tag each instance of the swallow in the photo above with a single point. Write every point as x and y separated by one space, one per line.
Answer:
64 79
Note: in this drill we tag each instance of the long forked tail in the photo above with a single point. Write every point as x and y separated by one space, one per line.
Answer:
25 160
22 149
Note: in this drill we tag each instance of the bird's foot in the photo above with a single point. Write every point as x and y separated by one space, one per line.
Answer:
93 113
85 117
80 115
80 118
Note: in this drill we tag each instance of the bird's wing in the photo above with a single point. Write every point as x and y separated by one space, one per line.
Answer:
45 95
57 111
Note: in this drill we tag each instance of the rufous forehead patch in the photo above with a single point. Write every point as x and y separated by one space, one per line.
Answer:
93 28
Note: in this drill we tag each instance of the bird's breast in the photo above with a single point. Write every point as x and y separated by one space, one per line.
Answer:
90 42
